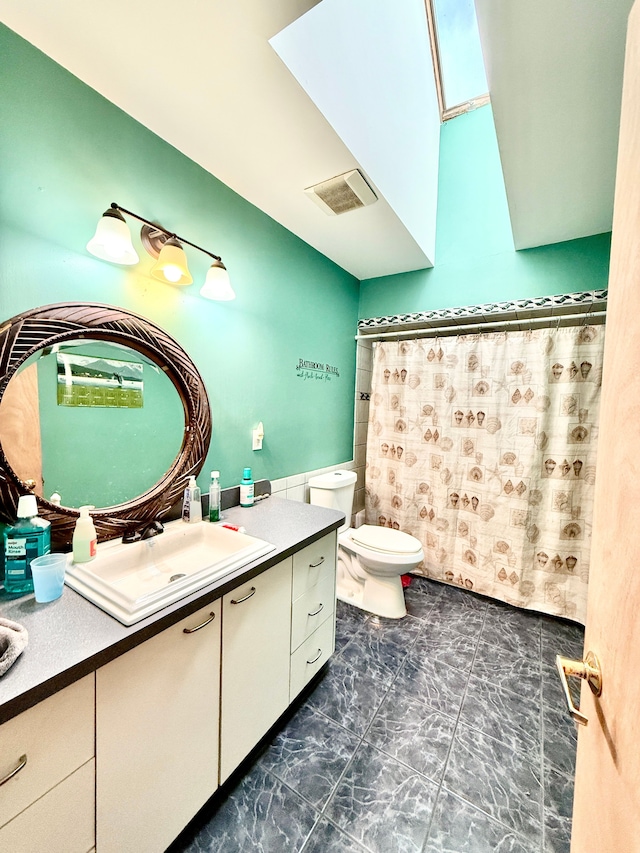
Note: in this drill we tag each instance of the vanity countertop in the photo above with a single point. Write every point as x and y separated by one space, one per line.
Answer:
71 637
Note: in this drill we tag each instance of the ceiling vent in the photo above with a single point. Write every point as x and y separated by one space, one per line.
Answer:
342 193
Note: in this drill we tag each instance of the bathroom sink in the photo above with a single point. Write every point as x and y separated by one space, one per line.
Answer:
134 580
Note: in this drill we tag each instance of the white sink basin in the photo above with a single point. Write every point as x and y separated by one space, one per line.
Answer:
131 581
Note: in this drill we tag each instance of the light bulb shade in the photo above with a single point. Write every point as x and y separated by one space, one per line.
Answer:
217 285
171 265
112 240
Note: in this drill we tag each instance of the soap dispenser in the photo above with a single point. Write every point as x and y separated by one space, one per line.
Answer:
191 504
214 497
85 539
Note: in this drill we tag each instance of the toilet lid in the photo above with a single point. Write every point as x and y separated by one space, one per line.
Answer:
385 540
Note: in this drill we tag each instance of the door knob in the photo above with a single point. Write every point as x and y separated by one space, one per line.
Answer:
589 669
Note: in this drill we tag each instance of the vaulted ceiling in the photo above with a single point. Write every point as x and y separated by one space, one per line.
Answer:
205 77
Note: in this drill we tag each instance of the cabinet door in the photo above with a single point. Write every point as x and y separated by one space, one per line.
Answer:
256 624
157 716
50 741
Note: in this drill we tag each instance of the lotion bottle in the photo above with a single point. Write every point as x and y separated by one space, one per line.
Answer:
85 539
191 505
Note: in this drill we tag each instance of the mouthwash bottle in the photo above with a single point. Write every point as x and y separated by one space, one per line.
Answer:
246 488
29 537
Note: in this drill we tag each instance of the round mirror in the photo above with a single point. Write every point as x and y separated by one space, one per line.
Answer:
102 407
75 421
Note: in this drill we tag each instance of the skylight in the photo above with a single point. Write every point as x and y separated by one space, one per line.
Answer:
463 81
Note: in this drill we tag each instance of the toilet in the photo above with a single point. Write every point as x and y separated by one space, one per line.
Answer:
370 559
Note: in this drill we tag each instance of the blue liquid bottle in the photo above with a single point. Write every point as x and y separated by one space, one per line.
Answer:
246 488
29 537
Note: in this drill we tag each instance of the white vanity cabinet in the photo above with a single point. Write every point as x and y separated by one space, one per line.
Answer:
157 723
313 610
47 774
124 758
256 629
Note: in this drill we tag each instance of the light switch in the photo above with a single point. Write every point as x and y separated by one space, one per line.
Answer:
258 435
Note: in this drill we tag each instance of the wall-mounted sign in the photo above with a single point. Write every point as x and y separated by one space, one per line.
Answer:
86 380
316 370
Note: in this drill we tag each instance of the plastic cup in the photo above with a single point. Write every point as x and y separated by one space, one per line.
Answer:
48 576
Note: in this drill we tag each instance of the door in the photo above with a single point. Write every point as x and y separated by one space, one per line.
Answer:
256 647
606 815
157 715
20 427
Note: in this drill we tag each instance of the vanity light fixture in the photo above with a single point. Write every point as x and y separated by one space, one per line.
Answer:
112 242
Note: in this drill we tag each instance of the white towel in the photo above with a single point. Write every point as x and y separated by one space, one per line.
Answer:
13 641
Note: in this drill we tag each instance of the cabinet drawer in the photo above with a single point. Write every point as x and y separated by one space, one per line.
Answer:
311 609
311 656
57 737
62 821
313 563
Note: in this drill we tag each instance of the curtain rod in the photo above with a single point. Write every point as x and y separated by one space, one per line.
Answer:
523 324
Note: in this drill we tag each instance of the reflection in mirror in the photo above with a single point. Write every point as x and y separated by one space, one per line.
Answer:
26 337
95 421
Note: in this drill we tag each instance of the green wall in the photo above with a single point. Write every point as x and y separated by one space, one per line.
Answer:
66 153
115 440
475 258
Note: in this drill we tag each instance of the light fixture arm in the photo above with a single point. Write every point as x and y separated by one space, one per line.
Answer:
115 206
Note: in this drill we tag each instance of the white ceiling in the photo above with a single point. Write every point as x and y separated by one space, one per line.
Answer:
353 57
555 74
204 77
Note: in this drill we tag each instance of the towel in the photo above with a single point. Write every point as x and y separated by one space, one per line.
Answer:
13 641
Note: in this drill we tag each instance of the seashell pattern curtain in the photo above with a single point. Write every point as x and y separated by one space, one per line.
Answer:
484 448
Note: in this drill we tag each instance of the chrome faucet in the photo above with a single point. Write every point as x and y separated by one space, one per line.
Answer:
146 531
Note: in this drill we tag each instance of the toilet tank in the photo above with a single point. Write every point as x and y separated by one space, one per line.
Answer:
334 490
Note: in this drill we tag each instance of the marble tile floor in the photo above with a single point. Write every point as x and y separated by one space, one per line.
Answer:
443 732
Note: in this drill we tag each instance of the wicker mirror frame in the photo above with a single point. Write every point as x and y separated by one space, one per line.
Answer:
23 335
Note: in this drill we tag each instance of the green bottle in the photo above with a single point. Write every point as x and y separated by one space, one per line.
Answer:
29 537
246 488
214 497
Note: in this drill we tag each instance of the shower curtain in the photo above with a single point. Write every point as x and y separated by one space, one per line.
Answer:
484 448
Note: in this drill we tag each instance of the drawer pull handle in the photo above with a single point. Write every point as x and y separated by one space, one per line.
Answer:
315 565
240 600
319 610
21 763
317 657
206 622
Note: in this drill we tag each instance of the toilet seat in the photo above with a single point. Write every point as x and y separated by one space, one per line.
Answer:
385 540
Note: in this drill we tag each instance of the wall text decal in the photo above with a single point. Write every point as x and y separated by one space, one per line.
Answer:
316 370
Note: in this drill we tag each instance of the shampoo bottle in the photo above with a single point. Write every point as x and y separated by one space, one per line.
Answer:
85 539
214 497
29 537
191 505
246 488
